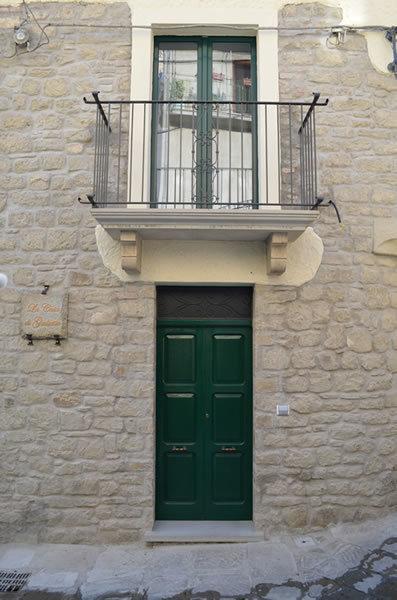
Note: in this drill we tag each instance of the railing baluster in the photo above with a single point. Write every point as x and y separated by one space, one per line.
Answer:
217 153
315 155
230 153
307 164
95 186
119 153
107 155
308 160
279 154
193 156
301 157
242 153
101 138
143 153
266 158
290 153
180 151
131 142
167 125
99 174
311 159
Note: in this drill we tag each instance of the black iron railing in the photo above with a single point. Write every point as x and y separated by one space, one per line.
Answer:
199 154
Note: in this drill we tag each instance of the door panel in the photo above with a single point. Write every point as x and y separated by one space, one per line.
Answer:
180 421
204 421
228 423
228 480
228 358
179 358
180 478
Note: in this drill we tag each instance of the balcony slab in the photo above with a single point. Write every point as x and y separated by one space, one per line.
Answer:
205 224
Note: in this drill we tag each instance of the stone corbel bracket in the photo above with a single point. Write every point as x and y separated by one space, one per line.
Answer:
385 236
131 251
276 252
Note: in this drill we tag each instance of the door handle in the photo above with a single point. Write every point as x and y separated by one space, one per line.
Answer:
178 449
228 449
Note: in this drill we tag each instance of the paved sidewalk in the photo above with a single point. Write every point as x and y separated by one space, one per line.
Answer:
344 562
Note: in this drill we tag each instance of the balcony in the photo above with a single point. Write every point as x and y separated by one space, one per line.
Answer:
198 170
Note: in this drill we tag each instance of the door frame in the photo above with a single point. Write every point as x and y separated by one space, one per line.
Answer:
204 92
184 322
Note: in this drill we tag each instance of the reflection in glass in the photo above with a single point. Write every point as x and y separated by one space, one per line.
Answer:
232 144
204 152
176 80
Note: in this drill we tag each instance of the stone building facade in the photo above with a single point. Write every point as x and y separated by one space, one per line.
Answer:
77 421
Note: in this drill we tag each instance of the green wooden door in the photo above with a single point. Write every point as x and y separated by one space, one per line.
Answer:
204 421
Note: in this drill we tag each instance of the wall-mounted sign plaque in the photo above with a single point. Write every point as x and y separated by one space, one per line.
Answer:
44 315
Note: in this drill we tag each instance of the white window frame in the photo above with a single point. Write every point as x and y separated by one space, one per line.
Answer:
160 19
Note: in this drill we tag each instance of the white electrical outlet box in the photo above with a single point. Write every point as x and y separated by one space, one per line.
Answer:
282 410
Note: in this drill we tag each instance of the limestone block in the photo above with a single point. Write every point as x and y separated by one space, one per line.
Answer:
299 458
303 358
275 358
67 399
296 384
61 239
103 316
359 340
92 448
299 316
33 240
75 421
54 86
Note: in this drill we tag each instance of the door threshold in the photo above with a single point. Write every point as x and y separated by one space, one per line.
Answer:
203 531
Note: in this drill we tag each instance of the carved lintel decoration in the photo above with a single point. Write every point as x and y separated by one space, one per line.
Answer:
204 302
131 251
276 251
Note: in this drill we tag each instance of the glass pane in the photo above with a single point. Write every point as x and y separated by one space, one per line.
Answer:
231 71
177 71
176 80
232 124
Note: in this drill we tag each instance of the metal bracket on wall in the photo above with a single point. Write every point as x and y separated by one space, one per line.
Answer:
29 337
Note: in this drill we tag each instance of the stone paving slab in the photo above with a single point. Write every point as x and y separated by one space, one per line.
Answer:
316 566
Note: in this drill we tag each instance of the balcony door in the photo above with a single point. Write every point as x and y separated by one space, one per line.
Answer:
204 154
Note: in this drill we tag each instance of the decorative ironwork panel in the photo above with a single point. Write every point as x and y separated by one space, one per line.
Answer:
206 302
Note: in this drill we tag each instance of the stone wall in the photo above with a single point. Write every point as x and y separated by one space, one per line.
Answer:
77 430
329 348
76 454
